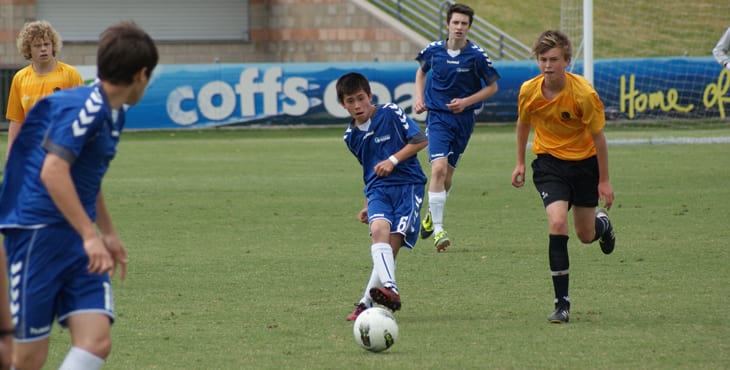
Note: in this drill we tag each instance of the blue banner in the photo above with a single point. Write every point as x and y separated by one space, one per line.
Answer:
207 95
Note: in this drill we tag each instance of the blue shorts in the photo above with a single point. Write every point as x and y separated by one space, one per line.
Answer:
448 134
401 206
49 280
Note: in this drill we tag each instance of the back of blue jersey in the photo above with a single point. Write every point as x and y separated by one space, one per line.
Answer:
75 124
455 75
389 131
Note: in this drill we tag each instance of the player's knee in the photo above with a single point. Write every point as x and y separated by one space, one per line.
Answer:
101 348
585 235
559 227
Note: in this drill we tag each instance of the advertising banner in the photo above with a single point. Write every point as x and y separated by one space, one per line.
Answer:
217 95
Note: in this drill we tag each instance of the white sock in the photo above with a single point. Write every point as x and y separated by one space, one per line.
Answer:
384 264
372 283
436 204
78 358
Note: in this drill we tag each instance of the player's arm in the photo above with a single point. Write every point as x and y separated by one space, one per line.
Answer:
420 85
457 105
523 133
110 237
56 176
605 190
414 145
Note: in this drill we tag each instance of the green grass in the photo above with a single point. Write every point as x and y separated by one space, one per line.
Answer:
245 253
622 29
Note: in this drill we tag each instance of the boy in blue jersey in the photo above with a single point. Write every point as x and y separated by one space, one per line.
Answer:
454 78
61 245
385 141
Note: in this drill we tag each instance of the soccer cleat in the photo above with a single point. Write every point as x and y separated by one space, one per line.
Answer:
607 241
359 308
387 297
426 226
441 241
560 315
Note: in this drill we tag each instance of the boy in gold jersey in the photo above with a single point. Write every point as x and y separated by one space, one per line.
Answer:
39 43
571 168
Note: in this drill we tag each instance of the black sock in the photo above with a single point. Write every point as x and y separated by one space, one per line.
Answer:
559 265
601 227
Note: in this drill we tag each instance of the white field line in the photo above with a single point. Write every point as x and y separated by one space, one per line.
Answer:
671 140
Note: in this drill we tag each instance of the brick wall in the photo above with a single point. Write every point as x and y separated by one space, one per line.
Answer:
281 31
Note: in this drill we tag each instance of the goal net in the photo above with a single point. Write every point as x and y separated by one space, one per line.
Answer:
653 59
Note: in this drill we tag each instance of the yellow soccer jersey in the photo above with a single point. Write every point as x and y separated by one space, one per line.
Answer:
28 87
564 126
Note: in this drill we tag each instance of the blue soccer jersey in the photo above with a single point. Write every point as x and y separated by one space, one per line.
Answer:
454 74
77 125
388 131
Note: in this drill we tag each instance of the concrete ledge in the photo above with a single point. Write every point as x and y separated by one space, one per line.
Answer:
412 35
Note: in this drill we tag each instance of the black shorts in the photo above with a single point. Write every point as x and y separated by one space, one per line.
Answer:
574 181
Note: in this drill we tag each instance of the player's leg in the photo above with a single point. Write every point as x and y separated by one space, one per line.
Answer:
440 137
591 224
555 193
384 264
90 339
584 219
437 192
382 252
35 263
30 355
460 128
559 259
86 308
366 301
403 224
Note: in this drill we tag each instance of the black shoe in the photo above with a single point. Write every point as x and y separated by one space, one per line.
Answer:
560 315
607 241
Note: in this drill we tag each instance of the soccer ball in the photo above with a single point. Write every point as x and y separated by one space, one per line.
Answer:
375 329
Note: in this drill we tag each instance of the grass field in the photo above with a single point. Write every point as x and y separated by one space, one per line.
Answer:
245 253
623 29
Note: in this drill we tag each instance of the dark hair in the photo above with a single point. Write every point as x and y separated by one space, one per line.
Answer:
553 39
124 49
350 84
461 9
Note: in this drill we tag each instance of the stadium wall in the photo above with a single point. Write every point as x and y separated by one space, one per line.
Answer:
269 94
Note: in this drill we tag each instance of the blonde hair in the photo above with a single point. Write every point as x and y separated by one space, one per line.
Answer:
37 30
553 39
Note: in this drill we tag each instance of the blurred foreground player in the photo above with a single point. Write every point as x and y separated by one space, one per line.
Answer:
61 245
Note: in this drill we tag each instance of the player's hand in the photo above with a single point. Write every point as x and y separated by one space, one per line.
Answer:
456 105
384 168
119 254
100 261
362 216
419 107
518 176
605 193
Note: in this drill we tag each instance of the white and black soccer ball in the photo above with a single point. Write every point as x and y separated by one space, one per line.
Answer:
375 329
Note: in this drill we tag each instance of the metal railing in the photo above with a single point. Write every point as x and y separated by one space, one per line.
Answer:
428 17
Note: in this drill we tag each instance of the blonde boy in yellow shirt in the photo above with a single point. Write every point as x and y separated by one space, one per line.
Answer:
39 43
571 168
